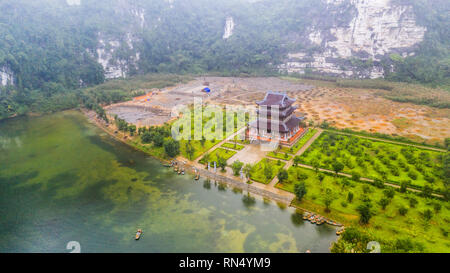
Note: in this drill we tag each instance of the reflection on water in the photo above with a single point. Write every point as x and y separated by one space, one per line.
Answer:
67 181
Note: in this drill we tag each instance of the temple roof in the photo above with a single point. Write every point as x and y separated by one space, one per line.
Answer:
276 98
284 127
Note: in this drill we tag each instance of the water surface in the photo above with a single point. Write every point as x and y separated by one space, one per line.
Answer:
62 179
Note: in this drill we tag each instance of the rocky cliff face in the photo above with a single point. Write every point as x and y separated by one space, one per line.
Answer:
229 27
118 57
6 76
372 30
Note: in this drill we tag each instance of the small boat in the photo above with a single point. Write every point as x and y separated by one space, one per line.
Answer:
138 234
182 171
167 165
197 177
305 216
340 231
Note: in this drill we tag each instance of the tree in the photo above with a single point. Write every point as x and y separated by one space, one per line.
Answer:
247 170
300 190
297 160
356 176
158 140
447 143
316 165
268 171
402 211
146 137
321 177
413 202
329 198
427 214
132 129
384 202
350 197
365 212
427 191
337 167
172 147
378 183
237 166
283 175
206 158
404 186
202 141
190 150
389 192
221 162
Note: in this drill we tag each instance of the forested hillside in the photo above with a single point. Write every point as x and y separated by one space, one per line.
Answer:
49 48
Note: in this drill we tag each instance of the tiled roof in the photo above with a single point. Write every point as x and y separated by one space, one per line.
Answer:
276 98
283 127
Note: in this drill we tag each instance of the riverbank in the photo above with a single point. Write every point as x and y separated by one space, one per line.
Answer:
285 198
191 166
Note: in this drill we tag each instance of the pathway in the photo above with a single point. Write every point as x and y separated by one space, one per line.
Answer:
299 153
219 144
364 179
389 141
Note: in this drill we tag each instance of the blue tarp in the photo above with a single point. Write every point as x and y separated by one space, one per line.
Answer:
207 90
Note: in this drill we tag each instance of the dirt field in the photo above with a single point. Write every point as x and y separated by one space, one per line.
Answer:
359 109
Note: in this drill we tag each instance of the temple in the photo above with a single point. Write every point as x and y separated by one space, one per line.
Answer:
276 120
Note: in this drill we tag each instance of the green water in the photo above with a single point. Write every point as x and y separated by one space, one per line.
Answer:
62 179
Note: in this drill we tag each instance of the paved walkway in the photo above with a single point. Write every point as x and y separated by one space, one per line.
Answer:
220 144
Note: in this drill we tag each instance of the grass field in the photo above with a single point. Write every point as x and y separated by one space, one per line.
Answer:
211 135
376 159
223 153
280 155
265 170
230 145
299 144
386 225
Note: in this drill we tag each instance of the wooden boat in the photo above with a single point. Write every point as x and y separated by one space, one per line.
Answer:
305 216
138 234
340 231
197 177
167 165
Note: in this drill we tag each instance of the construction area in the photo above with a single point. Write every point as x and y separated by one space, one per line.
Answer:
358 109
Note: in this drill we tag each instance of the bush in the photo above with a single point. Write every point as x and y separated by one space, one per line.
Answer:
349 197
437 207
172 147
427 214
389 193
384 202
283 175
378 183
300 190
413 202
402 211
146 137
237 166
356 176
413 175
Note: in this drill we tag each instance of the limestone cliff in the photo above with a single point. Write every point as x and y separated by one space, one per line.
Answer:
354 47
6 76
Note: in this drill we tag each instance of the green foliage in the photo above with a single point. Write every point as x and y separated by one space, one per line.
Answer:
283 175
365 212
171 147
300 190
237 166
